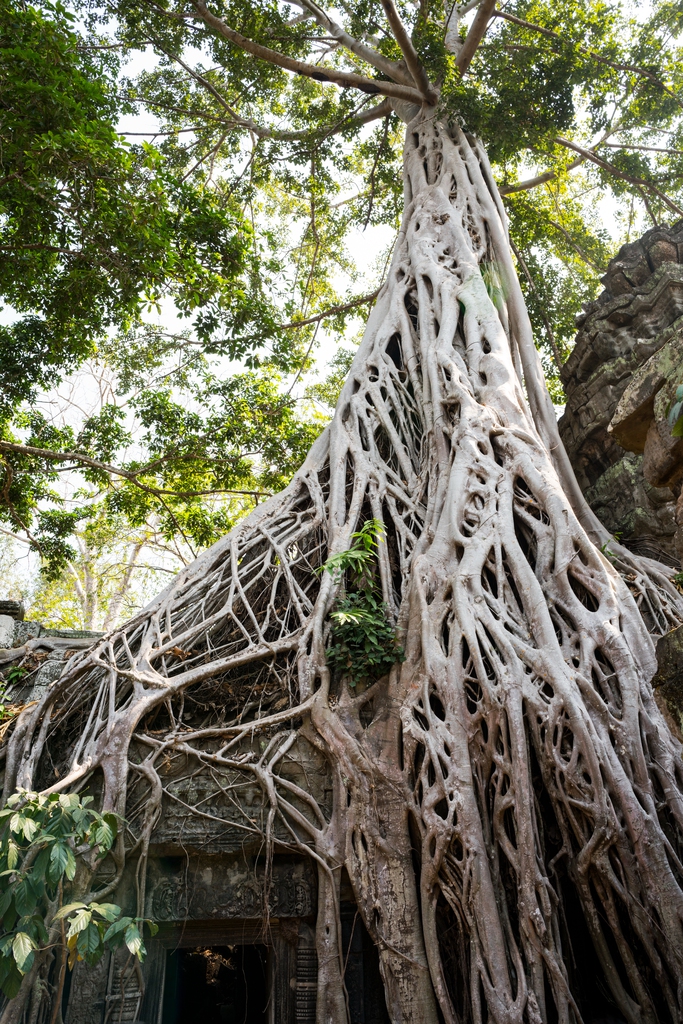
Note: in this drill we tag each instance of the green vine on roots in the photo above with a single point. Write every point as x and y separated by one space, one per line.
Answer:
363 642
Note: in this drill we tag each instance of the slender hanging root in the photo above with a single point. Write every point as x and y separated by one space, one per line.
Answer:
514 760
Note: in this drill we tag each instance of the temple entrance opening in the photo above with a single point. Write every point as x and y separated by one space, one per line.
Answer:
216 985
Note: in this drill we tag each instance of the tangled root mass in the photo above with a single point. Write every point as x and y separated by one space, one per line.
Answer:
515 762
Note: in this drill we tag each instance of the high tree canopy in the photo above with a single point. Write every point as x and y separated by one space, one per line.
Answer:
508 790
236 214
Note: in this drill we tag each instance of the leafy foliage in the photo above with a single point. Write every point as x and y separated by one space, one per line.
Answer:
94 927
238 214
363 641
92 230
182 457
40 839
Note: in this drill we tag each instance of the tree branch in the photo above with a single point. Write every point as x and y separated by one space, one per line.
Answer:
366 53
645 149
85 460
362 301
408 50
550 34
344 79
241 122
574 245
604 165
550 175
475 35
382 109
540 179
237 121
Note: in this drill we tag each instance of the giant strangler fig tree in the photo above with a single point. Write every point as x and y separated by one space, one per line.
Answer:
509 790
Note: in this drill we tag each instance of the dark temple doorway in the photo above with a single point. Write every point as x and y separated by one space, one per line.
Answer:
216 985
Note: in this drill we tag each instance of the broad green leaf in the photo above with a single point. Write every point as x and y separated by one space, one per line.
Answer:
5 900
59 859
79 922
117 928
102 835
68 909
134 942
11 980
30 828
113 822
70 869
109 911
89 941
22 949
24 898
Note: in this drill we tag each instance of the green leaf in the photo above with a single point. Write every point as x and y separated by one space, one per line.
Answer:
30 828
79 922
22 950
112 821
89 942
134 942
117 928
101 835
12 855
10 978
59 858
5 901
68 909
68 801
109 911
24 898
70 869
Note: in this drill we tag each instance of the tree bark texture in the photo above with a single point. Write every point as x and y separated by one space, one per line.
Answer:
518 744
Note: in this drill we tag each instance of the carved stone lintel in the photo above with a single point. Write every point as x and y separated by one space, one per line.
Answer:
216 890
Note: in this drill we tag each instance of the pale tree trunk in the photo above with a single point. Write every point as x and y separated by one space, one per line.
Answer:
519 740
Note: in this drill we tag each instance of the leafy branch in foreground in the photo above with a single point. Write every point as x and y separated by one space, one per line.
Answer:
41 839
362 639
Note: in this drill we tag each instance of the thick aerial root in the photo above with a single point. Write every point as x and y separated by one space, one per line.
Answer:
514 760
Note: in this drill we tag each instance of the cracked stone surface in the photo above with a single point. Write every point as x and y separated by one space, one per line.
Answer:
638 316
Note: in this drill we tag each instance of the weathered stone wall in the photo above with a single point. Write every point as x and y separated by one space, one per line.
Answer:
640 423
669 678
207 883
37 649
638 314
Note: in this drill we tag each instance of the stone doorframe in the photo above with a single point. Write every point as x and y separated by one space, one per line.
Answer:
292 963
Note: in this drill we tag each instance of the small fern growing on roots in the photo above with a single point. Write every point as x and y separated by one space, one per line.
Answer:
363 642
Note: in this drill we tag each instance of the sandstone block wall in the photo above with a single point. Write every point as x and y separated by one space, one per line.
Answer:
639 312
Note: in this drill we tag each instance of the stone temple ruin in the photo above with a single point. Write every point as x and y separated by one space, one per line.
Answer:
230 947
619 380
236 943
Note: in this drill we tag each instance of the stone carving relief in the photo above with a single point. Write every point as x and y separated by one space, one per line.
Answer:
223 892
223 812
